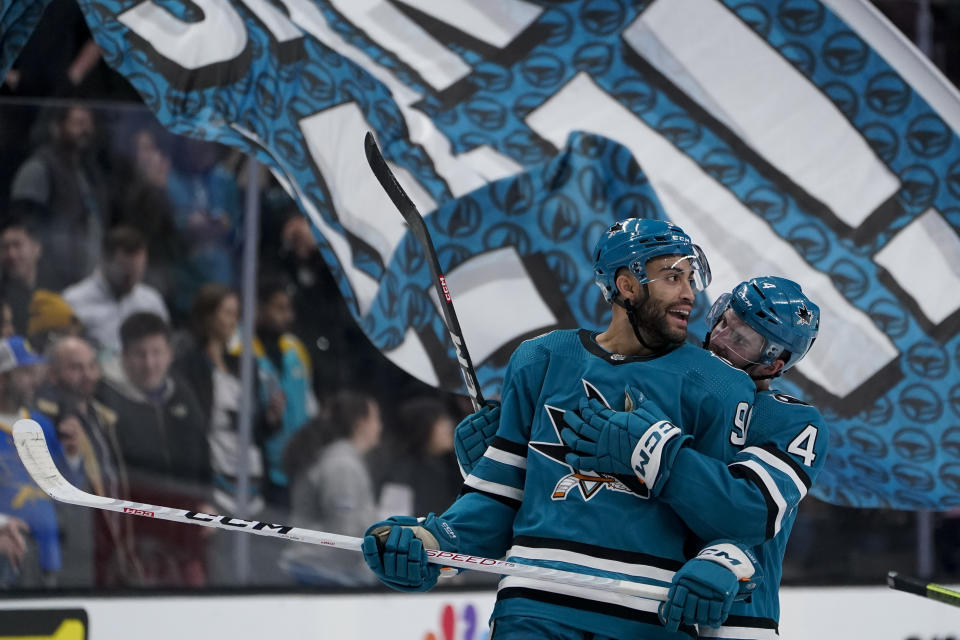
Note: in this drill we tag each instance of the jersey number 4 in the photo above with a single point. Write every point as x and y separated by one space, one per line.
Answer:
803 445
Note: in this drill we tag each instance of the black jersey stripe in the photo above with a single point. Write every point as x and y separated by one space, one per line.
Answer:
509 446
789 461
603 553
742 471
583 604
510 502
752 622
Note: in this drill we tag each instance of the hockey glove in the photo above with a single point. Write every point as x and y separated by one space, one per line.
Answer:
639 443
705 587
395 550
474 434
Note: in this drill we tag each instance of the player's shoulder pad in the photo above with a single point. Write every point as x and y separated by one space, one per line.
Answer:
543 346
773 402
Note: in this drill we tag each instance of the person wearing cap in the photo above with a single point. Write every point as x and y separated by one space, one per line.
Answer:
20 498
50 317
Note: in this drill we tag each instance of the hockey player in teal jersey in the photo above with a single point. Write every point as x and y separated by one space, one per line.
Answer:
763 327
525 502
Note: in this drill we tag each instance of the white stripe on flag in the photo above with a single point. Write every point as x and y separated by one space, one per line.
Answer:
774 108
335 139
412 357
931 237
901 54
496 301
496 22
219 37
394 31
738 243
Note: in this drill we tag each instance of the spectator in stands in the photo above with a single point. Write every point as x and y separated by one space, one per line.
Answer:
206 211
429 464
331 488
145 205
114 291
6 320
160 425
342 355
20 372
212 371
64 179
51 318
162 434
13 547
284 369
88 431
20 254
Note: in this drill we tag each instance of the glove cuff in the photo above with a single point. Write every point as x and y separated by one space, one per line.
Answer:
738 560
656 450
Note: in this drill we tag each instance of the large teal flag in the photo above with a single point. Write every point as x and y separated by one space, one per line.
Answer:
18 18
801 138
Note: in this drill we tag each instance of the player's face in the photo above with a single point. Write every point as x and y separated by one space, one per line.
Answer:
733 340
666 312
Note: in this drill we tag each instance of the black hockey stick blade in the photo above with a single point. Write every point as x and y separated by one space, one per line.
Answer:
922 588
418 227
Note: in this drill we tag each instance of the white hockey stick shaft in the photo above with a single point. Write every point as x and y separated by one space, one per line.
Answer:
32 448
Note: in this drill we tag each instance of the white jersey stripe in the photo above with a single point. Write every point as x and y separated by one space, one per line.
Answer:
633 602
769 459
505 457
772 490
615 566
494 487
738 633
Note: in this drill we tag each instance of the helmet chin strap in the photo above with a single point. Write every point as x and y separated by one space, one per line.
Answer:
631 310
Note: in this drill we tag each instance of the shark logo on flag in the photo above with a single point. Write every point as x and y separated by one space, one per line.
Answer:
788 137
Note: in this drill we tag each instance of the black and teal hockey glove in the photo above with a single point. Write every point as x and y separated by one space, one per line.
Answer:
394 549
474 434
639 443
705 587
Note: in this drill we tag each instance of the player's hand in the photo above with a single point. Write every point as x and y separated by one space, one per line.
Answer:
474 434
640 443
72 437
395 550
12 540
705 588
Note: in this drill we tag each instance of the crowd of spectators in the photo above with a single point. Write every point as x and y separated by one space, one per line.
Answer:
119 309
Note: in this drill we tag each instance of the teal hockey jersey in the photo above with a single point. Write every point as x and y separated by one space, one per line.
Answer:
752 497
522 501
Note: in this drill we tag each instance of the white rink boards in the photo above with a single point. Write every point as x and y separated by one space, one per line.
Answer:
838 613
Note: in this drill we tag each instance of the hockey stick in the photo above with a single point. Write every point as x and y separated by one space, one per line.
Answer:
921 588
32 448
409 211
